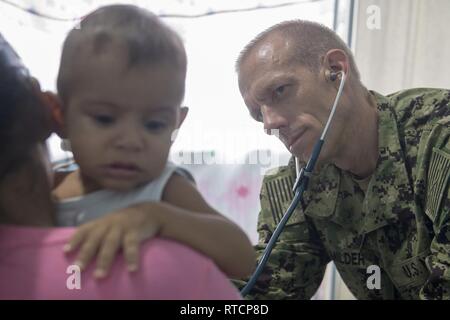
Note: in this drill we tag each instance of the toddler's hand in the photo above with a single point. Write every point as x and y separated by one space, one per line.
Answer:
124 229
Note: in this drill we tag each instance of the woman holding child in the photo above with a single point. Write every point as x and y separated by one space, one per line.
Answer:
124 86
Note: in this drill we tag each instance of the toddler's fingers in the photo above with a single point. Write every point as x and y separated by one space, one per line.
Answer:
131 250
109 247
89 247
76 239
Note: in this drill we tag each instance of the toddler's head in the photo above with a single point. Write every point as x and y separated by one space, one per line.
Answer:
121 82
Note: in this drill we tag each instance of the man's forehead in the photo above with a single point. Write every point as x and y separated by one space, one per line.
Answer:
273 48
265 51
266 57
272 51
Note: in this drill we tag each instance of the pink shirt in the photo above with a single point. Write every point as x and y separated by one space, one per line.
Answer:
33 266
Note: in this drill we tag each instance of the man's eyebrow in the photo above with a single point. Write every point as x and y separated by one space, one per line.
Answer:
268 84
277 79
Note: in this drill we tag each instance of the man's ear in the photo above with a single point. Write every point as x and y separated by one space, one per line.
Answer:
334 61
54 103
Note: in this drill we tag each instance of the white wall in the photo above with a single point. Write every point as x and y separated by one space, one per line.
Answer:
411 47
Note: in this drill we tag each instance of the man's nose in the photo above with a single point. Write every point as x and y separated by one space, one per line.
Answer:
130 139
272 119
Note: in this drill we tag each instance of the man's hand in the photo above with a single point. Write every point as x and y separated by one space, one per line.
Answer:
124 229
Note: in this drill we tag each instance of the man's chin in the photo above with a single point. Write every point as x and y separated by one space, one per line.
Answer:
304 158
299 155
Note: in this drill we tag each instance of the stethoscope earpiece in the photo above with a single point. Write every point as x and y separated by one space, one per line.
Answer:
332 76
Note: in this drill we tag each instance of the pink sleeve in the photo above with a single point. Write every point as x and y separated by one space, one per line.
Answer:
216 286
170 270
37 268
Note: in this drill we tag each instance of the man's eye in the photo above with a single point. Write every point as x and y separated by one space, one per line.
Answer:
155 125
103 119
279 91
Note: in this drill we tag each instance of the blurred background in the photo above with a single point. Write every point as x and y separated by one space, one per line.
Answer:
397 44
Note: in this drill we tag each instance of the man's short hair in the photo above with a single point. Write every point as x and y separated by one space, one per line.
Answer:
148 40
311 40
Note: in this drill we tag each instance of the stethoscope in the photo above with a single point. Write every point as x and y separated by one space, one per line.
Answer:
300 185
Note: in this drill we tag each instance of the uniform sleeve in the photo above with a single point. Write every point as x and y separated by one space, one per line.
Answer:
438 263
438 210
297 264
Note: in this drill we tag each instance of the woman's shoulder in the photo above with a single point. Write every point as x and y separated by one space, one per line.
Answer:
167 269
170 251
185 272
17 235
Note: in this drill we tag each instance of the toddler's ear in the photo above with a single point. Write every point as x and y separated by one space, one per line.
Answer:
53 102
183 113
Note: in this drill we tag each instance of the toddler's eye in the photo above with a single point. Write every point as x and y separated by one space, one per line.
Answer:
103 119
155 125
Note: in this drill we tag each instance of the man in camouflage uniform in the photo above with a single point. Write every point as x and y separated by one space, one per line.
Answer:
380 195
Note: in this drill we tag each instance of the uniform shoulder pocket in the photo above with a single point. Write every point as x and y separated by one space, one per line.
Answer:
437 182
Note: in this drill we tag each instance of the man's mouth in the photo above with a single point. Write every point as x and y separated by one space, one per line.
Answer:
295 139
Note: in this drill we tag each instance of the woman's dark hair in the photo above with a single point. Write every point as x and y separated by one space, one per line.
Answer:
23 122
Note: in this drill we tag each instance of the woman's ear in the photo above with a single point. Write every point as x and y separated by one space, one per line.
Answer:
54 103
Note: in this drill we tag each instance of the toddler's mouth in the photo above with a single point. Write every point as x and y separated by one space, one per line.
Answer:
123 166
122 170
